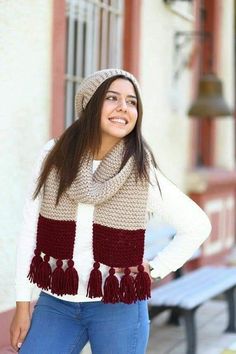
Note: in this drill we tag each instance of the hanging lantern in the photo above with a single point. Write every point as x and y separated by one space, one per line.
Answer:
210 102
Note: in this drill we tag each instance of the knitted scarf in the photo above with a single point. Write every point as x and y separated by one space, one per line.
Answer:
118 231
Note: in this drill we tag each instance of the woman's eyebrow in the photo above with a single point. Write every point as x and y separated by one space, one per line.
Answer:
117 93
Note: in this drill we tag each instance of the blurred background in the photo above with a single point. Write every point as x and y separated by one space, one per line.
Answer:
183 54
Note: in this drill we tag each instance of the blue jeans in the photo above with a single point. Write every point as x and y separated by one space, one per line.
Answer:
64 327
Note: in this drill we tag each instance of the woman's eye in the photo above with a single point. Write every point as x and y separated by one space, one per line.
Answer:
111 98
133 102
115 98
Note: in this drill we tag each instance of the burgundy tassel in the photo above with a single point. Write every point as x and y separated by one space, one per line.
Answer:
44 274
143 284
58 279
111 288
71 279
94 288
127 288
34 266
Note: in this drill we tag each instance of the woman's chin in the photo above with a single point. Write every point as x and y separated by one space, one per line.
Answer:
118 133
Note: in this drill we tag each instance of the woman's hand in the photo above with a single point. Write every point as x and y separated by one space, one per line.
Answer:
135 269
20 324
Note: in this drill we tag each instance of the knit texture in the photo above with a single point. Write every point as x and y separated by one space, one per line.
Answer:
90 84
118 230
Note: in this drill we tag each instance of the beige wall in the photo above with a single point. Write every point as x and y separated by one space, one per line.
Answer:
25 71
166 126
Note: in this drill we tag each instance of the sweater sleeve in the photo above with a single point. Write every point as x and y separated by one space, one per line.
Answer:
191 223
26 240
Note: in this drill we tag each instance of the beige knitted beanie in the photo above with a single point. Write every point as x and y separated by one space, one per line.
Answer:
90 84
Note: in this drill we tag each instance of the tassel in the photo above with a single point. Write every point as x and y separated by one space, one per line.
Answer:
143 284
34 267
94 288
71 279
44 274
58 279
111 288
127 288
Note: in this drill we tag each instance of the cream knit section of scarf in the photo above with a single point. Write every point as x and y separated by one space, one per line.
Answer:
120 201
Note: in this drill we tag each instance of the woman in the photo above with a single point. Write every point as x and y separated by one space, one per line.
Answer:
84 231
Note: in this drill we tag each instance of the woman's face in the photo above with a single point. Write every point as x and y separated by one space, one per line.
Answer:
119 111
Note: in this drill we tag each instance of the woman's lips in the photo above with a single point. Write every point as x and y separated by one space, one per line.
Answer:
119 120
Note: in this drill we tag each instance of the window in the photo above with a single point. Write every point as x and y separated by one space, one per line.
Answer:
94 42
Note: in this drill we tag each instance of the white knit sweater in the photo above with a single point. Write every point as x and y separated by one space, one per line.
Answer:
174 208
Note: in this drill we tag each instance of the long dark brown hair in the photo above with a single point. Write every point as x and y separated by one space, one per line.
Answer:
84 136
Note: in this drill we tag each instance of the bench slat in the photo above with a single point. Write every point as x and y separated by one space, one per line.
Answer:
195 287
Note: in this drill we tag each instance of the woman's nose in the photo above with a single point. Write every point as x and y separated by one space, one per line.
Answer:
122 105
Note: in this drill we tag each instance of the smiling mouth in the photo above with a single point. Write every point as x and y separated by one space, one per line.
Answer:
119 120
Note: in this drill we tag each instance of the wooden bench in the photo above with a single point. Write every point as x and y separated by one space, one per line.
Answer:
185 294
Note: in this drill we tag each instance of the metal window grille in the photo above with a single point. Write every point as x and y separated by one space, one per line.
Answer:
94 42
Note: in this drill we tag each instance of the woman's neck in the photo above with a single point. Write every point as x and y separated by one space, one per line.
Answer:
106 146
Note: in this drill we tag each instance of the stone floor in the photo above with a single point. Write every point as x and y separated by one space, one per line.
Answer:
211 319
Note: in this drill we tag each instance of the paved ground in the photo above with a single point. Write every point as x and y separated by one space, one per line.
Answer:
211 319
